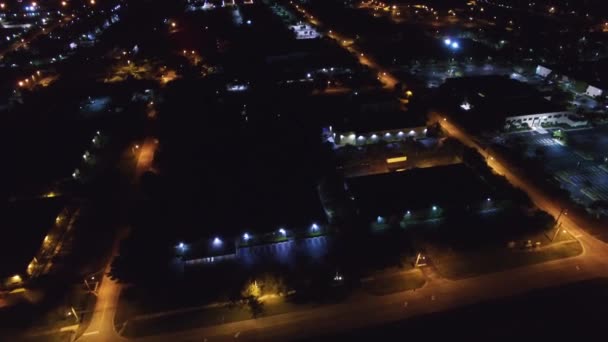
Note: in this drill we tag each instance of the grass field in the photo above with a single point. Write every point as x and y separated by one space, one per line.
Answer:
393 283
460 265
571 312
205 317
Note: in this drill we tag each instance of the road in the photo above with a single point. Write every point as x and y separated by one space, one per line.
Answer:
25 42
145 156
437 295
101 324
383 75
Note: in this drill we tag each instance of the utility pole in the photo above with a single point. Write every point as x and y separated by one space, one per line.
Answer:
94 289
73 312
558 224
420 260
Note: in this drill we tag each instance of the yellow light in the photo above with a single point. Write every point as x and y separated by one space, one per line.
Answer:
92 2
409 93
21 83
16 278
173 24
396 160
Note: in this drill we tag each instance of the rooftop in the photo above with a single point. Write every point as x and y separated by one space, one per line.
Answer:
393 193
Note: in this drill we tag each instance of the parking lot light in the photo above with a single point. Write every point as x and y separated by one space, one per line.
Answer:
282 231
246 237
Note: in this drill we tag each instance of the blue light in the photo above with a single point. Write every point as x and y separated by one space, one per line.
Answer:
246 237
447 41
181 245
314 227
217 241
282 231
455 45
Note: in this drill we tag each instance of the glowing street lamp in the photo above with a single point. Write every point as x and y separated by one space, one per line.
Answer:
434 208
282 231
217 242
455 45
447 42
314 227
246 237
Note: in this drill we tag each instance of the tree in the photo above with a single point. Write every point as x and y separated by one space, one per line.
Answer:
252 289
256 307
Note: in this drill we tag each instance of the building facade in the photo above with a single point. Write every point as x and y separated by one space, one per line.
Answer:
545 119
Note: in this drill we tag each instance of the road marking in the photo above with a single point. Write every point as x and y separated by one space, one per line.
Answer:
91 333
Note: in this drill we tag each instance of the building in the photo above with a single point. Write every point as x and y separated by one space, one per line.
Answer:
540 120
543 71
341 139
490 103
593 91
304 31
206 251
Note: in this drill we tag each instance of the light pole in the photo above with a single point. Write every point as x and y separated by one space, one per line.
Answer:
557 226
94 289
73 312
420 260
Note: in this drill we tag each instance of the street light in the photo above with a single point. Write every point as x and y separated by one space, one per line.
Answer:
246 237
282 231
217 242
314 227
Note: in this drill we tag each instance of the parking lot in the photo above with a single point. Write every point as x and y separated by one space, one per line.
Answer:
580 164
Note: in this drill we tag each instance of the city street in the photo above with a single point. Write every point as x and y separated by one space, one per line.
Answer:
364 311
231 181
